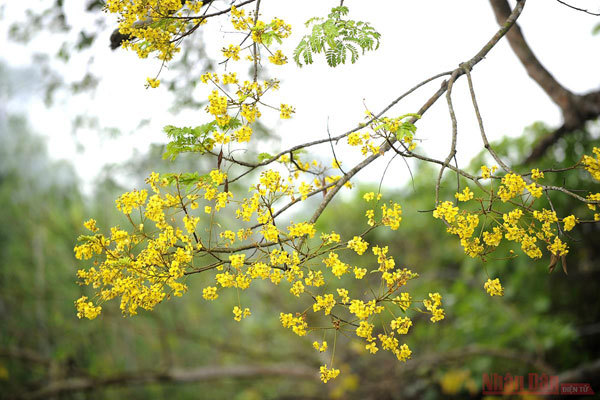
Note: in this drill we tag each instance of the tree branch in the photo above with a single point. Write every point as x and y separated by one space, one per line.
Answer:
576 109
174 375
578 9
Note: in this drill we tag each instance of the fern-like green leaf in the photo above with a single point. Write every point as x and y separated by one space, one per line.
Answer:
335 37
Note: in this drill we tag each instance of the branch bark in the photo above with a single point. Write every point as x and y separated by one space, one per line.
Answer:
576 109
174 375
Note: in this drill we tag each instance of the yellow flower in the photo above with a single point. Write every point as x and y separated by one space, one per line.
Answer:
330 238
512 186
536 174
359 273
401 325
90 225
372 347
466 195
358 245
210 293
558 248
302 229
446 210
570 222
493 287
237 260
487 172
286 111
278 58
153 83
326 302
321 348
432 304
232 52
86 308
493 239
327 374
593 165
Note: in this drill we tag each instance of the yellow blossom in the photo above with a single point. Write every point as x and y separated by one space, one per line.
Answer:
359 273
328 374
90 225
320 347
570 222
536 174
210 293
493 287
358 245
466 195
286 111
153 83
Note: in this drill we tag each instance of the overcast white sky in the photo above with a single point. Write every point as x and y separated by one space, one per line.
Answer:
419 39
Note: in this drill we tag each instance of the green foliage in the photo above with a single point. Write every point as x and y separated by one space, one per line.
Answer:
186 179
264 156
271 34
187 139
336 38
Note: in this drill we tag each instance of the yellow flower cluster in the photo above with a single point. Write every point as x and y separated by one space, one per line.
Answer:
286 111
433 305
327 374
153 24
338 268
326 302
512 186
391 216
466 195
232 52
446 211
238 313
320 347
389 342
401 325
178 229
363 140
592 165
358 245
297 324
403 301
486 172
302 229
596 198
536 174
461 225
278 58
210 293
493 287
144 268
570 222
86 308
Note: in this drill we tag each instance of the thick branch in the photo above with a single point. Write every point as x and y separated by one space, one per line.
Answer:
576 110
583 373
174 375
560 95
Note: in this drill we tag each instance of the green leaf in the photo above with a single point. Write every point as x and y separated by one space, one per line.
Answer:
335 37
264 156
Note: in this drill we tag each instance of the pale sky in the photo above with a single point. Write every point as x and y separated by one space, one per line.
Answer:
419 39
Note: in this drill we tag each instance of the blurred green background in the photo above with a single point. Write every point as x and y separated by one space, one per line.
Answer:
545 323
188 348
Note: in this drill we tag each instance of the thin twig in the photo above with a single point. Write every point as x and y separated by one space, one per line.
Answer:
578 9
452 152
486 143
